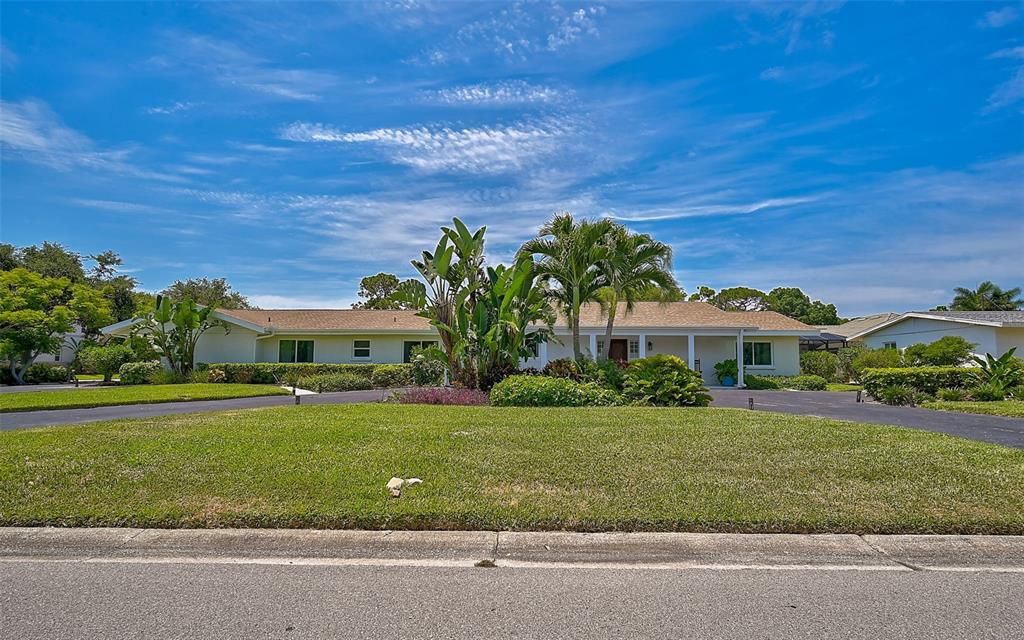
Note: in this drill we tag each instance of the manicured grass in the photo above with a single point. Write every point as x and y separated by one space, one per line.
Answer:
588 469
836 386
1011 408
93 376
140 394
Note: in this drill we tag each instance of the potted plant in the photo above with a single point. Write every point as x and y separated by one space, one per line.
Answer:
727 371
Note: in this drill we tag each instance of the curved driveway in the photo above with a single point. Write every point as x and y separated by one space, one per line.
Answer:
838 405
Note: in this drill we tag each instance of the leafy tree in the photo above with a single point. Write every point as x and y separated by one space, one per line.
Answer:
635 263
380 291
703 294
105 267
876 359
821 313
740 299
174 328
35 312
946 351
987 297
214 292
820 363
655 293
53 261
571 253
8 257
105 359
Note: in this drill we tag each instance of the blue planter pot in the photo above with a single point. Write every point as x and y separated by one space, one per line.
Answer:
727 381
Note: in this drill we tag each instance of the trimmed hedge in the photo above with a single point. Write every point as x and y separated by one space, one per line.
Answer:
545 391
923 379
392 375
334 382
664 381
139 372
273 372
46 372
800 383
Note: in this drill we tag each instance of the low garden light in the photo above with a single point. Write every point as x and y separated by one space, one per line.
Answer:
750 403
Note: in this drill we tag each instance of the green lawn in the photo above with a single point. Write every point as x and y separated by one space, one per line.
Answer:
1011 408
485 468
90 377
140 394
837 386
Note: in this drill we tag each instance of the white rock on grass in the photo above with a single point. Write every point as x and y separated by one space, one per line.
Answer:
395 486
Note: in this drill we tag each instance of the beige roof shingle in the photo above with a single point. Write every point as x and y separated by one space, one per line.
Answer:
331 319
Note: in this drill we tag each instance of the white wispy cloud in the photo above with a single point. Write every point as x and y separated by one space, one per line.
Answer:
118 206
739 208
999 17
812 76
31 130
170 109
8 59
1012 90
428 148
511 92
276 301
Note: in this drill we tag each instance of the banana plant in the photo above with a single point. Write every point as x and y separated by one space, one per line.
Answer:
1002 372
174 329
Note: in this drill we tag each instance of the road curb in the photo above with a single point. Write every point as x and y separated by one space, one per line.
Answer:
517 549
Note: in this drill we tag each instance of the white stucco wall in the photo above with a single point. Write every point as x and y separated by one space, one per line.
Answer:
1009 337
924 330
384 349
239 345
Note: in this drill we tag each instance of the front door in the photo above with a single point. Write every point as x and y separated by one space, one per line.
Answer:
619 351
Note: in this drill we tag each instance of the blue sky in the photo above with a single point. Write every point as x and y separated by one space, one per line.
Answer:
871 154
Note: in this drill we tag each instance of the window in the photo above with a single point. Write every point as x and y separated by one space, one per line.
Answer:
56 355
361 349
409 346
888 345
757 354
634 349
295 351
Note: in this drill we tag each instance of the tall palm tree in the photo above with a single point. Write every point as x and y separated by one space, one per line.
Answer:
635 263
987 297
570 254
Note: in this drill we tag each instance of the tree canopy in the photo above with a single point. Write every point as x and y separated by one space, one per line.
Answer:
210 292
987 297
381 291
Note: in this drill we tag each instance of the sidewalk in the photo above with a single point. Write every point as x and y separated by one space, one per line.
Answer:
515 549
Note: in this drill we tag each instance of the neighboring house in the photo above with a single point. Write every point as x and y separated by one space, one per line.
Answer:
66 353
833 337
994 332
697 332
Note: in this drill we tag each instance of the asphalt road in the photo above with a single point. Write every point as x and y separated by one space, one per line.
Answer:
130 600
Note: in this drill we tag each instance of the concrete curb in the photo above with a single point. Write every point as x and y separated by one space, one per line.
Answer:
517 549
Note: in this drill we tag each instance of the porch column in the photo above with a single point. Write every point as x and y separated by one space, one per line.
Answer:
643 346
593 346
691 356
542 354
739 359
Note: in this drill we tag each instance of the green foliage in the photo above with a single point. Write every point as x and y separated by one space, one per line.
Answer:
792 302
800 383
876 359
896 395
216 376
488 319
820 363
139 372
703 294
105 360
947 351
209 292
543 391
1003 372
174 329
987 392
428 366
664 381
740 299
279 372
987 297
52 260
381 291
35 312
168 376
952 395
923 379
334 382
564 368
391 375
727 369
608 374
845 358
43 372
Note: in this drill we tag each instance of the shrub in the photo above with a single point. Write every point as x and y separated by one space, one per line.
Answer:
271 372
924 379
951 395
167 376
426 370
441 395
1003 372
563 368
496 374
665 381
42 372
727 369
896 395
820 363
760 383
199 377
334 382
139 372
546 391
800 383
947 351
876 359
844 361
609 373
987 392
392 375
216 376
1016 392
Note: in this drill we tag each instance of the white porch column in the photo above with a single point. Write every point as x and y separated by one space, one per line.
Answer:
643 346
542 354
739 359
691 356
593 346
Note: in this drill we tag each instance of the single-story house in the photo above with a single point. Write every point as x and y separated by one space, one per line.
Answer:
994 332
697 332
834 337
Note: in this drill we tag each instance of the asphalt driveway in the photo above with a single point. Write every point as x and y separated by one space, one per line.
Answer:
843 405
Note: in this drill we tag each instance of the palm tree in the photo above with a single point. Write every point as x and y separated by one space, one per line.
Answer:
635 263
570 254
987 297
